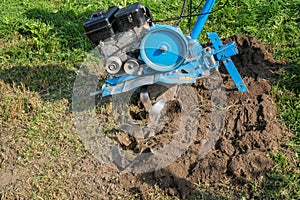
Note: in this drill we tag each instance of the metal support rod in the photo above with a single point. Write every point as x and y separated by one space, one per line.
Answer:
202 18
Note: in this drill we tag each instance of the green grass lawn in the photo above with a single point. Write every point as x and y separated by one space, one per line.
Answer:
42 45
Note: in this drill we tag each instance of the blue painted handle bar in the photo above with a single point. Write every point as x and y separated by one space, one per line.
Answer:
202 18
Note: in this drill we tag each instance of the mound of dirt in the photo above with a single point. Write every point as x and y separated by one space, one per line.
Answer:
250 133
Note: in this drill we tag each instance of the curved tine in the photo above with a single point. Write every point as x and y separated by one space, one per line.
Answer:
154 116
169 95
133 130
145 99
157 111
157 107
118 159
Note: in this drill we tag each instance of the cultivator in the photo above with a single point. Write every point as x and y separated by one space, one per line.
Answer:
138 53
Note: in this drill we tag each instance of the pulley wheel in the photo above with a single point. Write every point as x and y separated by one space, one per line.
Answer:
113 65
164 48
131 66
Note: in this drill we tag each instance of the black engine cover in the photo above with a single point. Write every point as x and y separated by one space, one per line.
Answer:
102 25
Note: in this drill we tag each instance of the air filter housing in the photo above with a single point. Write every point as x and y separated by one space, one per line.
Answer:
100 25
132 16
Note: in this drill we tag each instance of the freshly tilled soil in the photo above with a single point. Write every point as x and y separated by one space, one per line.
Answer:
251 131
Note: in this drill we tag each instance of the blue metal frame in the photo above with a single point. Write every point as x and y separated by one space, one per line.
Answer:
196 61
202 18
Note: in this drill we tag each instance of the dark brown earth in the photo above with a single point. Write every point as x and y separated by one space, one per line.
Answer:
251 132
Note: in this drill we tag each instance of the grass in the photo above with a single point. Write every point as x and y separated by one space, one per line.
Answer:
42 46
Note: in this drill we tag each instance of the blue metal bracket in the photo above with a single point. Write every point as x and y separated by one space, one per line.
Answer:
224 54
236 77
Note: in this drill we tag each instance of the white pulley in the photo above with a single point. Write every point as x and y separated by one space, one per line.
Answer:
113 65
131 66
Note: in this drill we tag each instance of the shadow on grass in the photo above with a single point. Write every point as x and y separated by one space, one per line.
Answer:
281 185
290 78
170 183
52 82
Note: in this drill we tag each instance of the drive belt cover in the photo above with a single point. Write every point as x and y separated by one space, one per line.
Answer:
164 48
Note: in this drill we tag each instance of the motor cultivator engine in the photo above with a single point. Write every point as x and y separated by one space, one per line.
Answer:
137 52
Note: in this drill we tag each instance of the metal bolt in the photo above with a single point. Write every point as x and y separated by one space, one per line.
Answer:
163 49
112 66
